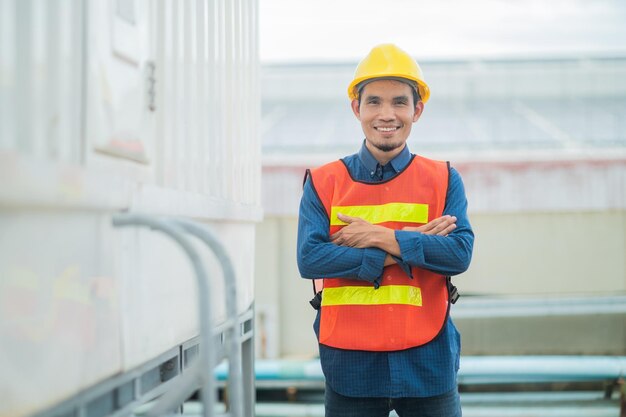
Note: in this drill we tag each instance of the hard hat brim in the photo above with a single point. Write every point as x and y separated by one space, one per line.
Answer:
423 89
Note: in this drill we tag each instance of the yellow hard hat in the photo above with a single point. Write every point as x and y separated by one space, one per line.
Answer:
388 61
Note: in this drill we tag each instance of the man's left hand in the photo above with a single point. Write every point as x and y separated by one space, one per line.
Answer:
361 234
357 234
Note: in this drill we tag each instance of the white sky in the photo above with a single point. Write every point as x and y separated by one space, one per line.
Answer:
345 30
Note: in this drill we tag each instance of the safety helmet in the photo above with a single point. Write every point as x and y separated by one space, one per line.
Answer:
388 61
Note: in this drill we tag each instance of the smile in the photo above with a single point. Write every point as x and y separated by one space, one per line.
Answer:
386 129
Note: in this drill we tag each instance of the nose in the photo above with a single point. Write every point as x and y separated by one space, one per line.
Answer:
387 112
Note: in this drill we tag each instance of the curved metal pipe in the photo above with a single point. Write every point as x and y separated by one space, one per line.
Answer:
207 361
233 351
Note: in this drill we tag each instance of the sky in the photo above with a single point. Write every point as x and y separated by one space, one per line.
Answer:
345 30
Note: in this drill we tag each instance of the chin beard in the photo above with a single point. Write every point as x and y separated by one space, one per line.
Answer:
387 147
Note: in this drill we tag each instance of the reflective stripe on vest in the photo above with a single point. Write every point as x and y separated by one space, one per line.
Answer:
390 212
388 294
403 312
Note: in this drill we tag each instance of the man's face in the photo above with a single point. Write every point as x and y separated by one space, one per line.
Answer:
387 113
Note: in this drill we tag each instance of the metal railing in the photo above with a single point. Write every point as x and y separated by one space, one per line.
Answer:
201 373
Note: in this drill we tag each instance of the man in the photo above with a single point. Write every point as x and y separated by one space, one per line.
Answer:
384 229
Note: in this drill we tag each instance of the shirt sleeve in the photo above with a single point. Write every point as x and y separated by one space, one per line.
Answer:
446 255
319 258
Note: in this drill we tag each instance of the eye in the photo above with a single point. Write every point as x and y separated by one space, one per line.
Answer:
401 102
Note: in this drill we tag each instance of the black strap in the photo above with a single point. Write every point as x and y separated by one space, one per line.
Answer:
307 174
453 293
316 301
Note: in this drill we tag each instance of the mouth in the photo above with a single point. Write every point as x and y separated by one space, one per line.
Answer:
386 129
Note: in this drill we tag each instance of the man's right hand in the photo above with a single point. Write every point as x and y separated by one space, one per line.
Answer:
441 226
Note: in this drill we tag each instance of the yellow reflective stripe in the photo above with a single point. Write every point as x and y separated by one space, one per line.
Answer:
390 212
386 294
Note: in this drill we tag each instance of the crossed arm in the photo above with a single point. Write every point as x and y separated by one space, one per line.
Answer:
361 234
361 250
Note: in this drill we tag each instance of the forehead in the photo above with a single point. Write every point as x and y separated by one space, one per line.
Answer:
390 88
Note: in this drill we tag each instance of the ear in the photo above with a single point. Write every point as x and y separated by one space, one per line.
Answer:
355 108
419 108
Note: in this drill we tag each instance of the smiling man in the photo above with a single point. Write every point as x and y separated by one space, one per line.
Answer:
387 110
380 232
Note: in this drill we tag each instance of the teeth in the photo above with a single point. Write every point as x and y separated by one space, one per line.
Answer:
386 129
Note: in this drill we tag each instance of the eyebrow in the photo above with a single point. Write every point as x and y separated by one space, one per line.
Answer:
401 98
397 98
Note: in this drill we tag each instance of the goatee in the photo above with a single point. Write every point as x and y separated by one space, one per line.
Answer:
387 147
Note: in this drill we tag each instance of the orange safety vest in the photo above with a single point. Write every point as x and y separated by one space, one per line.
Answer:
403 312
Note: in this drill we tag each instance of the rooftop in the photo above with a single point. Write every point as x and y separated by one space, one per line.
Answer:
543 103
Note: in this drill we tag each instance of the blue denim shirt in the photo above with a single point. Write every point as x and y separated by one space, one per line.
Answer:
423 371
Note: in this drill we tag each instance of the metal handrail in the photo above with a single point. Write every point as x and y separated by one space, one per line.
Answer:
206 362
233 352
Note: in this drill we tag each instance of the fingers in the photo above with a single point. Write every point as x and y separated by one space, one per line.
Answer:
337 237
347 219
355 234
340 240
441 226
447 230
432 225
444 226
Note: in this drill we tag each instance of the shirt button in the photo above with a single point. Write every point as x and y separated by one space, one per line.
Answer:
390 308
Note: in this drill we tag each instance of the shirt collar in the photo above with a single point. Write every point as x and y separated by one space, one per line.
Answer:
398 163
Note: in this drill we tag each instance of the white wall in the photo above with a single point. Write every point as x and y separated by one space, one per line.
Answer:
558 253
284 315
145 106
